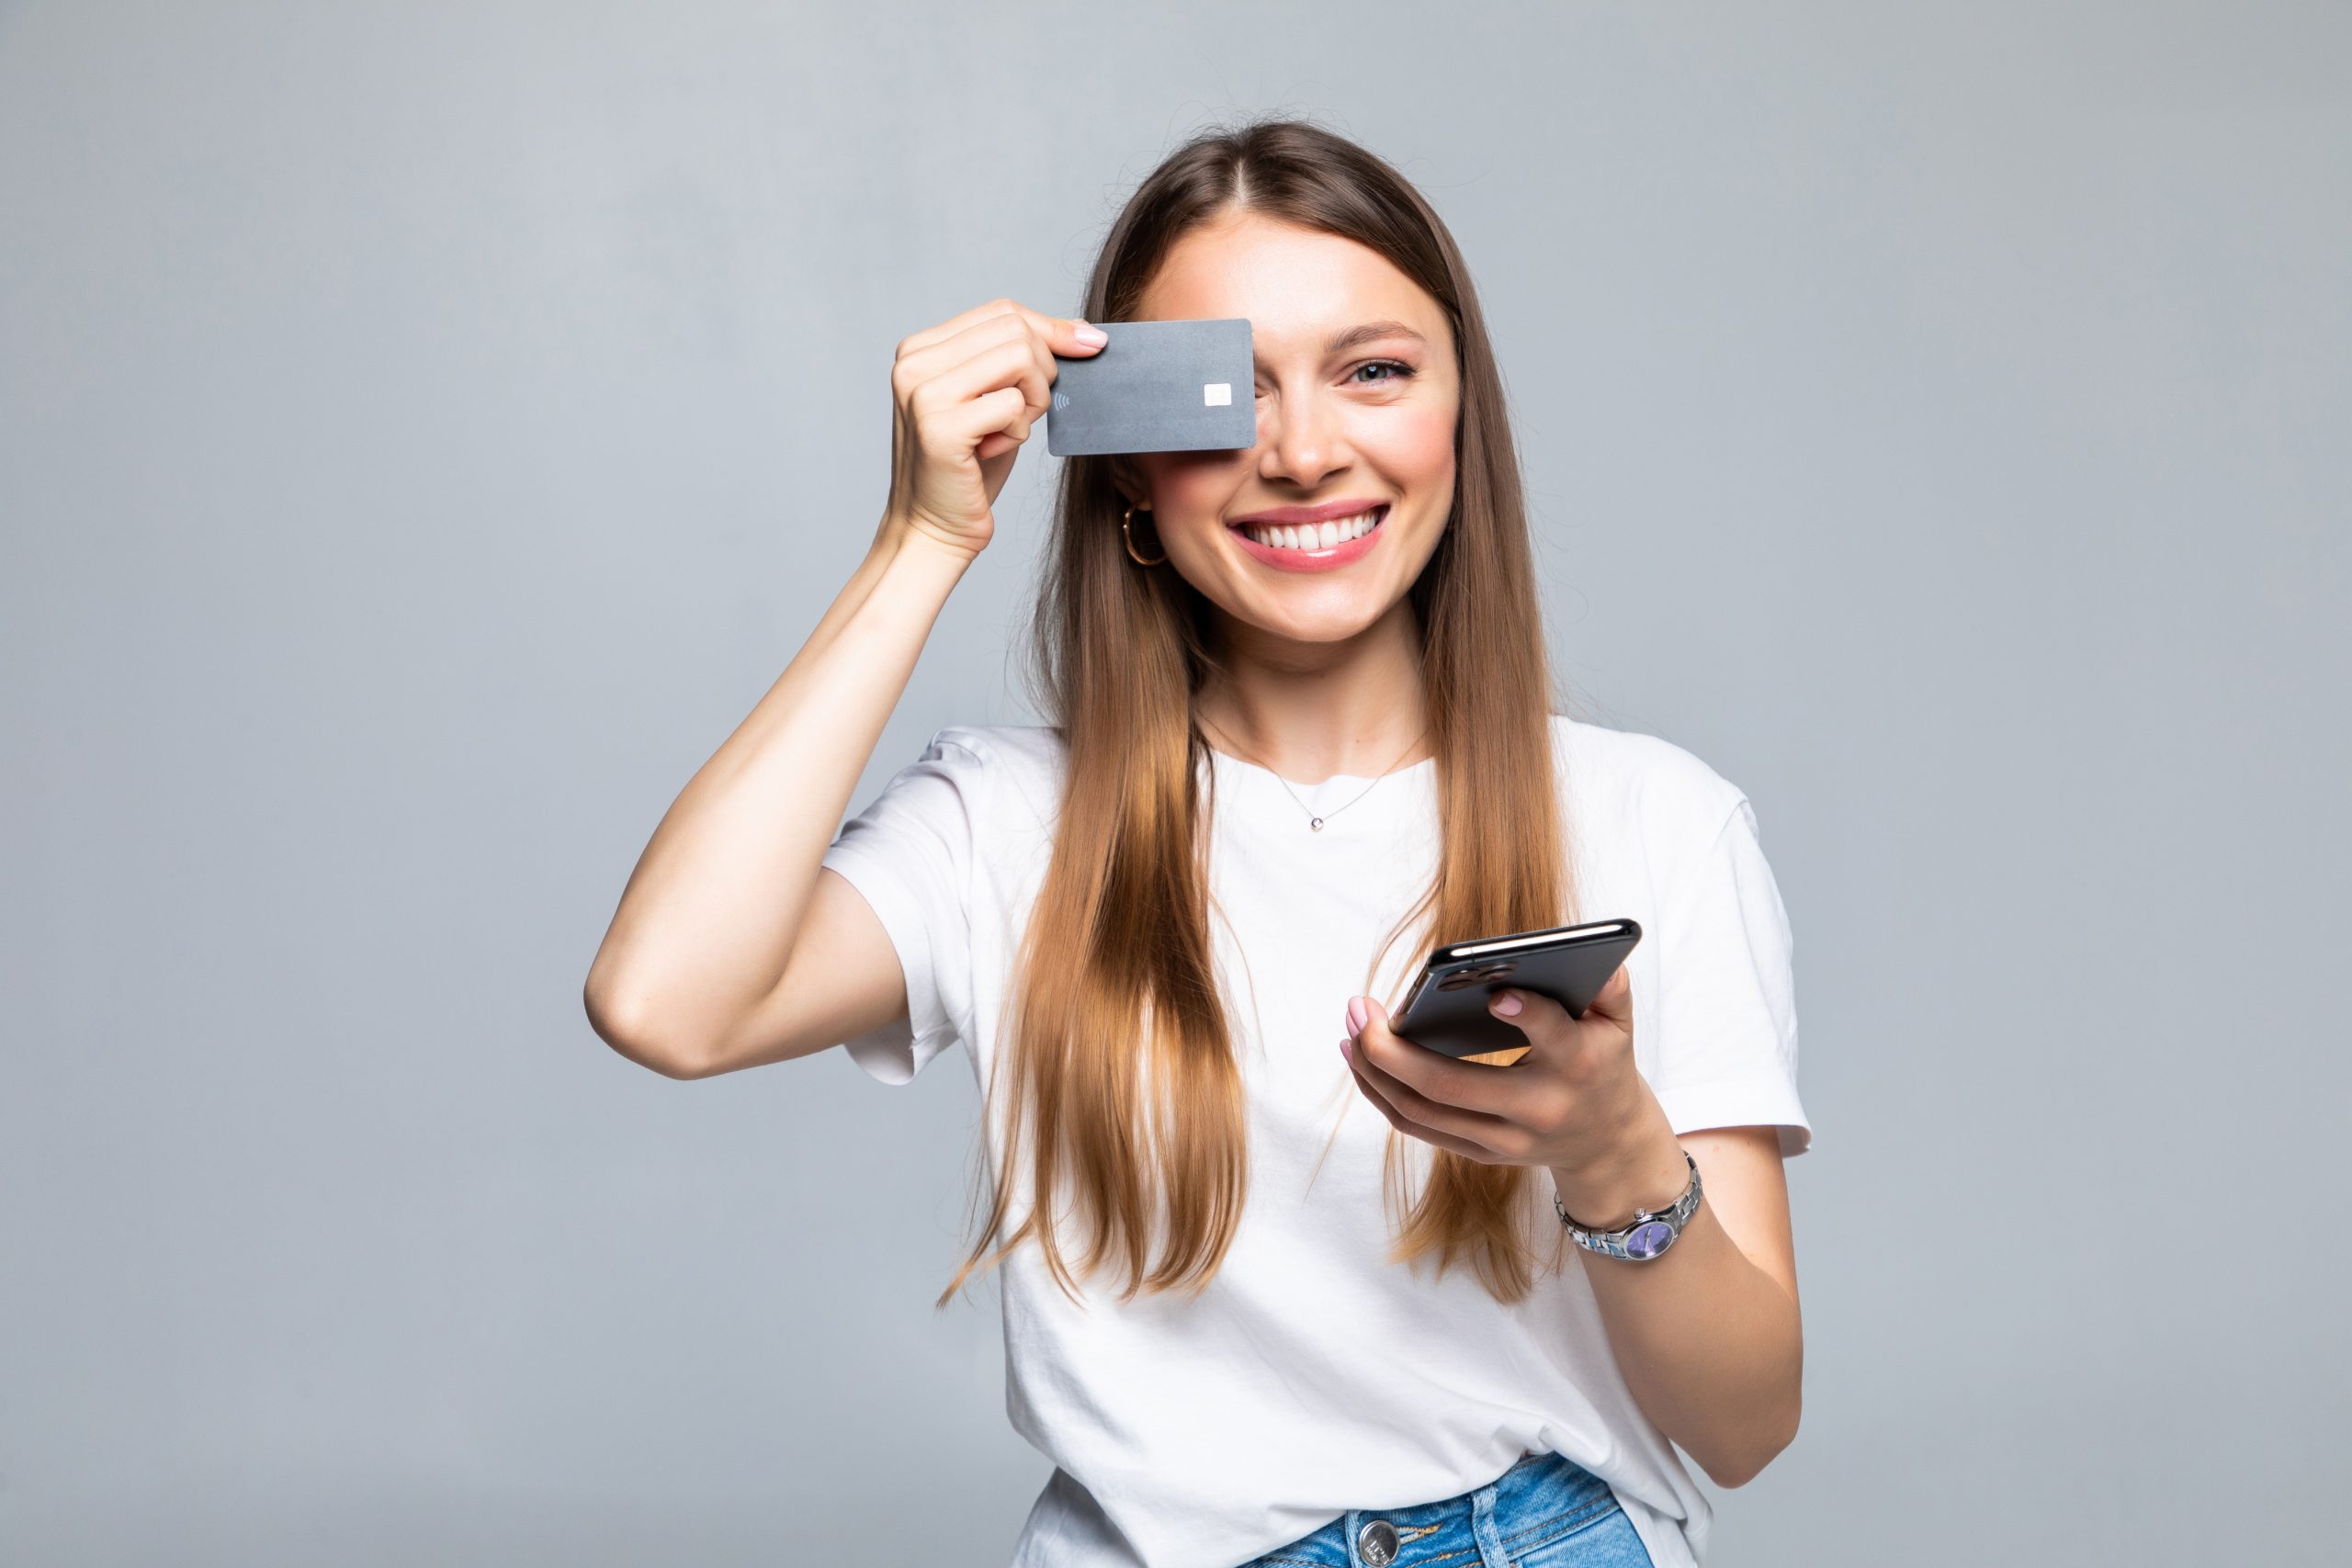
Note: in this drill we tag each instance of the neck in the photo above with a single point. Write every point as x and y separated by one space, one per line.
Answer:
1309 710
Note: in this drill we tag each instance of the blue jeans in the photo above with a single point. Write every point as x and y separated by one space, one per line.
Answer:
1547 1511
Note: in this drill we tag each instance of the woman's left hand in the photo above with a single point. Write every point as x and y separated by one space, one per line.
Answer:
1575 1102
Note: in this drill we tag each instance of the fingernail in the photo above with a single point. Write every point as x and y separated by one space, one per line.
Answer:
1346 1054
1358 1015
1092 336
1505 1004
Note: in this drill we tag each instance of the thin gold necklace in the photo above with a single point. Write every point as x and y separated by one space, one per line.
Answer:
1316 823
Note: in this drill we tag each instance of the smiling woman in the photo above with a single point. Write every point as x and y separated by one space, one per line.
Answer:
1322 1307
1359 397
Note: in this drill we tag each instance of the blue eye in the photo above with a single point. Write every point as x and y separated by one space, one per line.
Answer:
1403 372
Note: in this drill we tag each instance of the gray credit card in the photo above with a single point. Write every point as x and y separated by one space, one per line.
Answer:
1156 387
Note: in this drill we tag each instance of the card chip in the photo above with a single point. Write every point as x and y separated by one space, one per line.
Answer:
1216 394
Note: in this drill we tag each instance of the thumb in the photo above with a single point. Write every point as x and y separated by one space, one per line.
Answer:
1375 1024
1615 1001
1075 338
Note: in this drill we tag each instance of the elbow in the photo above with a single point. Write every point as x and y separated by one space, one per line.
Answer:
625 1031
683 1068
1731 1477
1733 1470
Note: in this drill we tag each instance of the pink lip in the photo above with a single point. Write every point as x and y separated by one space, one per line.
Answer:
1339 555
1329 512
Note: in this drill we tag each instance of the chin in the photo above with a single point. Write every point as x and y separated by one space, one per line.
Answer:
1334 626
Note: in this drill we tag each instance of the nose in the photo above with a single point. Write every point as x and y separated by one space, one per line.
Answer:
1300 439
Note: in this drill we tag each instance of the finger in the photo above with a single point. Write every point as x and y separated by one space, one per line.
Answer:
1375 1059
953 324
1479 1089
1010 363
950 354
931 337
1060 331
1001 441
1407 1125
1533 1014
1004 409
997 443
1615 1001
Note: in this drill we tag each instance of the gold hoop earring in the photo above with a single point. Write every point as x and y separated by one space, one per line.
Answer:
1126 517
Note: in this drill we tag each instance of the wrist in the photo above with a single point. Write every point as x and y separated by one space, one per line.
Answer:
906 548
1643 1175
909 531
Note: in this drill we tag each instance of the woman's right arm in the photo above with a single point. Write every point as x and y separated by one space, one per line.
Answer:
732 946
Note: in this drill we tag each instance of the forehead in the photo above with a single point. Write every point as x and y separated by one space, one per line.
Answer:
1295 286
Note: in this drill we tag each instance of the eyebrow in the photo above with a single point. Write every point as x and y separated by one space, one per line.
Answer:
1370 331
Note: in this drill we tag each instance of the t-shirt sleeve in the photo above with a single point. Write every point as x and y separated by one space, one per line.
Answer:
1727 1020
909 855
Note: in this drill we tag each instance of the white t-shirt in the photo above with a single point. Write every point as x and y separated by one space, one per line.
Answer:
1313 1376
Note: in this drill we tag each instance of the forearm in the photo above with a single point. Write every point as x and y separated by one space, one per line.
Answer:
1710 1345
708 917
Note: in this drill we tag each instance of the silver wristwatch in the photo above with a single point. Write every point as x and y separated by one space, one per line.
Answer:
1650 1234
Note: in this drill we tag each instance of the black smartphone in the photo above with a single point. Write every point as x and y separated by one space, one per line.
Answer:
1446 1009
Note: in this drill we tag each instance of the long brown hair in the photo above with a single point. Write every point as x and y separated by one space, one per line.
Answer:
1117 1054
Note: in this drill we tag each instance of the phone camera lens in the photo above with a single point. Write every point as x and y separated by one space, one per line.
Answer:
1479 975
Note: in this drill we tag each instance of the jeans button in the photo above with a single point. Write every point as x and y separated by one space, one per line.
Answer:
1377 1542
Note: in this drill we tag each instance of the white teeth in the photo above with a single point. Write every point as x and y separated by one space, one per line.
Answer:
1310 536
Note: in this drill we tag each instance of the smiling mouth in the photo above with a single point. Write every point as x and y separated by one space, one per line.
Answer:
1307 538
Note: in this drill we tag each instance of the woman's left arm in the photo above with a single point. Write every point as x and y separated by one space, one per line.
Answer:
1708 1334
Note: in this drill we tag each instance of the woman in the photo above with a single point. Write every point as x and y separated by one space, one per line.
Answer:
1324 1311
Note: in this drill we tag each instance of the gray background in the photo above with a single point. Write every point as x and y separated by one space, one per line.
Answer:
426 429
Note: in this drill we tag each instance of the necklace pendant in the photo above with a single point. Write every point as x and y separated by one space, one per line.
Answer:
1316 823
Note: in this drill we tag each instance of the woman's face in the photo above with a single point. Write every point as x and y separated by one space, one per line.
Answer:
1357 403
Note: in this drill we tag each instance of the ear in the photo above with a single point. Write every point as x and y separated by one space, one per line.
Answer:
1135 489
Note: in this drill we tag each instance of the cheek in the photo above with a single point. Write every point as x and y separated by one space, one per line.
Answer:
1193 485
1419 447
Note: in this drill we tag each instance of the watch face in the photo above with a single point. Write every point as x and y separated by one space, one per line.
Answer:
1650 1239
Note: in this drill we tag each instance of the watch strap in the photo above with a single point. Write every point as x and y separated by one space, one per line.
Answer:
1649 1234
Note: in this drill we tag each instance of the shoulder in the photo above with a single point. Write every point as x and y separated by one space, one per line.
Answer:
1004 770
1642 782
1032 749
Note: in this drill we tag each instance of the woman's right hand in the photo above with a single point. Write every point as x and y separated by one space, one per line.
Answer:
963 397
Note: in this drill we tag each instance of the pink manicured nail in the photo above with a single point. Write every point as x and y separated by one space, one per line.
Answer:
1505 1005
1346 1054
1358 1015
